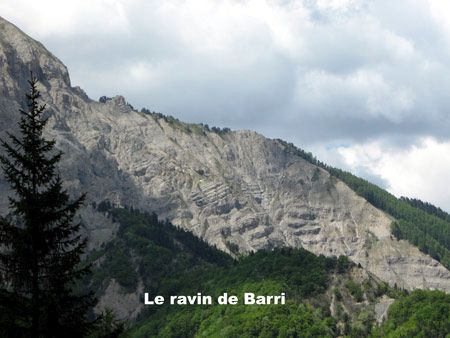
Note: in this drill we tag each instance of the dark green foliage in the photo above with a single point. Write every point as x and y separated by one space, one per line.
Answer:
343 264
297 272
302 272
362 325
355 290
186 127
291 320
157 251
118 264
428 207
422 224
220 131
429 233
104 99
107 326
421 314
136 226
233 247
186 266
40 243
103 206
171 261
337 294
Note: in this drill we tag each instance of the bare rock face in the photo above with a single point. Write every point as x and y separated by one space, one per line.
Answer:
125 305
382 307
238 190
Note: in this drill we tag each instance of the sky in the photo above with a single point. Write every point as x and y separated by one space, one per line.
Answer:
363 84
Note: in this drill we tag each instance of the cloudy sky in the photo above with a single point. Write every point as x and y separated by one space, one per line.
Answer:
363 84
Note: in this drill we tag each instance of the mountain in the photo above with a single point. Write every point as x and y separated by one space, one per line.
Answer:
237 190
325 296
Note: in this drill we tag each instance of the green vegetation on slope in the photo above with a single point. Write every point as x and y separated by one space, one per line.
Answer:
422 225
420 314
427 207
188 128
297 272
152 251
171 261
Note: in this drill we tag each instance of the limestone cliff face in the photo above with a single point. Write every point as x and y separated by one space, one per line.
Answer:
238 190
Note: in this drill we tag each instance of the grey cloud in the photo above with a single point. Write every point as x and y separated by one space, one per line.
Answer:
383 66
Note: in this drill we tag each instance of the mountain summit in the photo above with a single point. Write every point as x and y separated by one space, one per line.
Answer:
237 190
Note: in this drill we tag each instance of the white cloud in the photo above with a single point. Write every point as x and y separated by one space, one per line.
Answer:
440 11
364 94
421 170
50 18
339 6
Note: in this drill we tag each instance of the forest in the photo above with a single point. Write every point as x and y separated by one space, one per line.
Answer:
171 261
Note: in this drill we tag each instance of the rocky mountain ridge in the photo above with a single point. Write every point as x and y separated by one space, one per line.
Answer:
238 190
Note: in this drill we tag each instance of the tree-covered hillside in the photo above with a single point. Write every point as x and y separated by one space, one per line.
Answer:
297 272
421 314
151 251
325 297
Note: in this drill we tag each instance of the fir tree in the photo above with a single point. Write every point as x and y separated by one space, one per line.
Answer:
40 243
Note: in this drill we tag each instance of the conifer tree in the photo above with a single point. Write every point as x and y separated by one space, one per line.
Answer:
40 242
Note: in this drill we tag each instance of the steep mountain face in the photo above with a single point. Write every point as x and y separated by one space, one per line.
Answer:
238 190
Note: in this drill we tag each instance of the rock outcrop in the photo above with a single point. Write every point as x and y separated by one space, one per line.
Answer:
237 190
